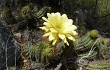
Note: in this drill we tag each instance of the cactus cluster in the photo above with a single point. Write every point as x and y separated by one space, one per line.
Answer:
87 41
7 16
91 47
99 65
28 16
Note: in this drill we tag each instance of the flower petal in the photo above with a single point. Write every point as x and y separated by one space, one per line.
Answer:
44 28
71 38
49 15
62 36
69 22
51 37
47 34
65 41
64 18
54 42
44 18
74 33
47 24
53 30
73 27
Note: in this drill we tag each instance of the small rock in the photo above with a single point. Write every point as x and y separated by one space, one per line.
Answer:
18 35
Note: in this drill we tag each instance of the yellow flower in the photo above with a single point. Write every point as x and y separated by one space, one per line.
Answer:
57 27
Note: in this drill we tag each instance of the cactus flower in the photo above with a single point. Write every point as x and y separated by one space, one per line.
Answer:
59 27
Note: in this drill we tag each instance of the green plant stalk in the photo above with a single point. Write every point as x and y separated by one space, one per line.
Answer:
68 50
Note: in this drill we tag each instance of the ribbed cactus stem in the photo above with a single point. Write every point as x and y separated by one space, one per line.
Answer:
67 51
